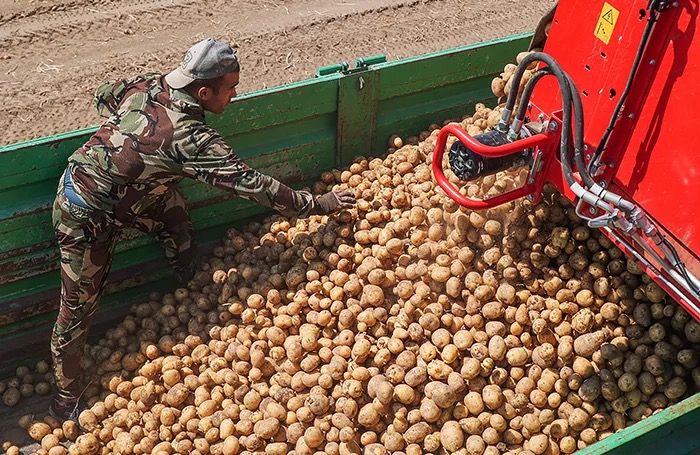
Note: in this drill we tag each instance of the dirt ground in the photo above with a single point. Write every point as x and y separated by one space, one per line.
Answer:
54 53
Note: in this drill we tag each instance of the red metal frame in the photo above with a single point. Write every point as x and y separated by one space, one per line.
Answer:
651 158
538 140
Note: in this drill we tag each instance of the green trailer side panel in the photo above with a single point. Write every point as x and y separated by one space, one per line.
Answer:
22 228
356 114
423 91
32 161
672 431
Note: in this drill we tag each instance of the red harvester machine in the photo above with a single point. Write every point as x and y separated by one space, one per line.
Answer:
608 119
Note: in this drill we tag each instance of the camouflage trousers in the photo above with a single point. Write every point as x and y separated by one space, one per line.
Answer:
87 239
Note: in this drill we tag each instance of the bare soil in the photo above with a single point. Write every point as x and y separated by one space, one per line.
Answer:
54 53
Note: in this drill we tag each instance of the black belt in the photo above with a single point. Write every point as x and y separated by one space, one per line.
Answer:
70 193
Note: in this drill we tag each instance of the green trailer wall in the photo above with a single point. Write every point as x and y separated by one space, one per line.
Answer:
673 431
293 132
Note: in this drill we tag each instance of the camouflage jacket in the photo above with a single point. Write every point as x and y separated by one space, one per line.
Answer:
154 137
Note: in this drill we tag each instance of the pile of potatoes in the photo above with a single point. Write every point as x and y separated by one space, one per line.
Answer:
407 325
502 85
26 383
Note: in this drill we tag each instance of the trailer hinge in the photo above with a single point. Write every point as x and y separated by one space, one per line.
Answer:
364 62
341 67
361 64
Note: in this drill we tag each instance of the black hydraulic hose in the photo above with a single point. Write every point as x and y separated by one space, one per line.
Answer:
578 133
527 91
515 79
589 183
566 105
680 266
578 140
653 18
569 102
578 116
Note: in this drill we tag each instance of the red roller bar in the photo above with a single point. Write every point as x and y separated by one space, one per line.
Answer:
538 140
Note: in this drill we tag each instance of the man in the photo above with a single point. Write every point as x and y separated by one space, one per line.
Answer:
154 136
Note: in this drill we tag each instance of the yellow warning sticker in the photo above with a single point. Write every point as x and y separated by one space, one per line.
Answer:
606 23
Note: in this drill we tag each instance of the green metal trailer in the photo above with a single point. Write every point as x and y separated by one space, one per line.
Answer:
293 132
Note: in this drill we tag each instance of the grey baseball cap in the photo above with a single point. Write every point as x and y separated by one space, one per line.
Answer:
207 59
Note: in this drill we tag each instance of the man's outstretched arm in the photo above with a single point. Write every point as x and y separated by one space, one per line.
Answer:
207 157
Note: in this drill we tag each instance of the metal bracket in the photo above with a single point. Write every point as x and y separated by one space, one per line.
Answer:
364 62
598 169
361 64
537 165
357 112
341 67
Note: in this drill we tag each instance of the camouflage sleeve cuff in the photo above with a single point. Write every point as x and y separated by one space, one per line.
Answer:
266 190
307 204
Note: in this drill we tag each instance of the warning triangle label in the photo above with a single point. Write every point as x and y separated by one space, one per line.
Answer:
606 23
608 17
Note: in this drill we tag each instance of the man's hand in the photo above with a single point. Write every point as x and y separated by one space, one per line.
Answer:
333 201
